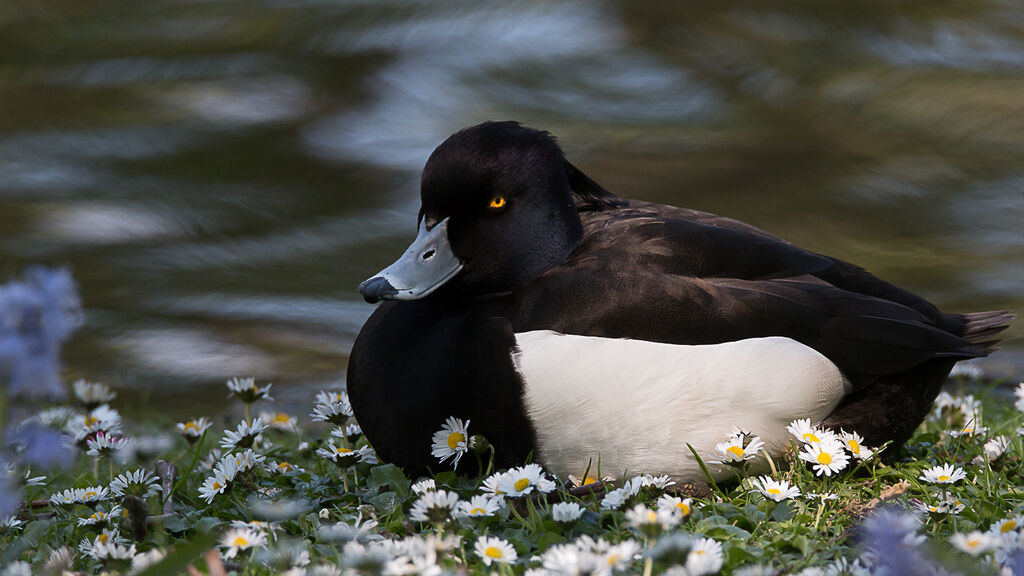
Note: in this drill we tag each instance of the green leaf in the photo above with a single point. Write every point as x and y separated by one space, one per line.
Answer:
183 555
29 538
390 475
385 503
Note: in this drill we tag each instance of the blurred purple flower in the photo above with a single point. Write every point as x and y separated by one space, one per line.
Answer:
37 314
40 447
10 497
891 540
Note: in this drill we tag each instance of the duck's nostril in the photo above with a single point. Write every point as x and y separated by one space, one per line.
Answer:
428 254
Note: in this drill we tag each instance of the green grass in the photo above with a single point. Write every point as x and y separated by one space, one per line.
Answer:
356 519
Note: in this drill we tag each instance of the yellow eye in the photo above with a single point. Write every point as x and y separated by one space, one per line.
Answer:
498 202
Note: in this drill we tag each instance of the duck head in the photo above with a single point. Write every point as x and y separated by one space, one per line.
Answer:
499 207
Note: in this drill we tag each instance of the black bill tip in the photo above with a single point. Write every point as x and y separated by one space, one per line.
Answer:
376 289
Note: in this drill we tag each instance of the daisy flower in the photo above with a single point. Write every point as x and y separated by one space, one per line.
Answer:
146 559
618 557
494 550
975 543
350 432
213 486
92 394
104 444
99 517
1007 525
345 457
280 421
246 390
996 447
94 495
9 522
566 512
826 457
244 435
739 448
705 557
140 483
239 539
855 444
946 505
193 429
112 551
808 434
102 418
525 479
332 407
617 498
478 506
652 522
68 497
955 412
684 506
945 474
451 440
663 481
435 507
424 486
283 467
492 484
775 490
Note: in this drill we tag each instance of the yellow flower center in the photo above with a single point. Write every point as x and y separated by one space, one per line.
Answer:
1008 526
736 451
854 446
255 389
454 438
239 541
613 559
699 552
493 552
103 537
216 485
341 450
476 511
281 418
94 517
521 484
589 480
810 437
684 507
774 491
652 516
824 458
943 478
91 421
90 494
192 426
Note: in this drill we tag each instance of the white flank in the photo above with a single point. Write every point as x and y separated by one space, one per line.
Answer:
633 405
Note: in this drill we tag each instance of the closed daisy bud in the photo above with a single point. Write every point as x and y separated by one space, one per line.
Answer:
566 512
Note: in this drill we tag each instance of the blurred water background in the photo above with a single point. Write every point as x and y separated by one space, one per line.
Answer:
222 174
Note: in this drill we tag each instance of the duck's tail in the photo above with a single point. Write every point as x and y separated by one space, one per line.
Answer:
983 328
